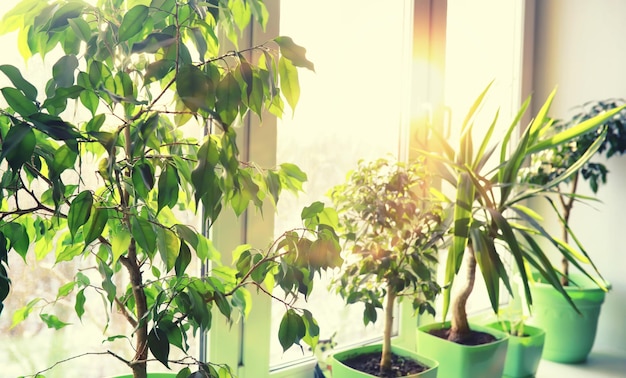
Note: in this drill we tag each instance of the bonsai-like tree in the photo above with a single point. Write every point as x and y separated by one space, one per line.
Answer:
158 103
490 216
391 224
548 164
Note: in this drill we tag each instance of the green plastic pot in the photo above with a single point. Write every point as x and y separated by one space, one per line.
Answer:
569 335
464 361
343 371
524 352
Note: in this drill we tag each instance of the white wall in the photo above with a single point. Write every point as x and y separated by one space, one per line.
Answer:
580 46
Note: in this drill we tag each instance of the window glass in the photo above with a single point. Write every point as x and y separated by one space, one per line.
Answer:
350 109
483 44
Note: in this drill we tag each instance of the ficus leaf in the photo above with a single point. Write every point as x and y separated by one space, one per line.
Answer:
193 87
63 71
168 188
144 234
295 53
19 82
99 219
18 102
79 212
133 22
169 247
18 145
159 345
289 82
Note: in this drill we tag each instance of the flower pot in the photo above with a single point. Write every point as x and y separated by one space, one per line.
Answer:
524 352
341 370
569 335
464 361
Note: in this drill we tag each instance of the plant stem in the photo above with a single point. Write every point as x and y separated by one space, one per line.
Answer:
385 358
567 210
138 365
459 327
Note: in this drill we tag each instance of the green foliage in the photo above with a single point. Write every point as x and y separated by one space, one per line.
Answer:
159 105
391 223
490 218
551 162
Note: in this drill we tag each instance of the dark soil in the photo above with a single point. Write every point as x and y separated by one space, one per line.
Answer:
474 338
370 363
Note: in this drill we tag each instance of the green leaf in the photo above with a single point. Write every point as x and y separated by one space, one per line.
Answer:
289 82
18 236
153 42
19 82
18 145
143 178
222 304
228 95
159 345
63 71
68 253
80 28
169 247
120 241
183 259
79 307
168 188
99 219
66 12
133 22
295 53
52 321
54 126
64 290
369 314
291 329
21 314
18 102
144 234
194 87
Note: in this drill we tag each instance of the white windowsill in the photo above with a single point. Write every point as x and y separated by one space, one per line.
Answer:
599 364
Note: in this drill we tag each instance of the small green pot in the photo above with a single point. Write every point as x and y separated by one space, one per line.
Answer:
464 361
524 352
343 371
569 335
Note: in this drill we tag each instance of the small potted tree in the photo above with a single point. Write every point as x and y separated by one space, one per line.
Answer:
112 183
570 338
491 221
391 224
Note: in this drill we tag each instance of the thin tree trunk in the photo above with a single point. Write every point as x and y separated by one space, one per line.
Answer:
139 362
567 210
459 327
385 359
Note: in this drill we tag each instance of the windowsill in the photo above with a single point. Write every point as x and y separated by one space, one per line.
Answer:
600 364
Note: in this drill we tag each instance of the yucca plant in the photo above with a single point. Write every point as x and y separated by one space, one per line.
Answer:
159 95
491 219
549 163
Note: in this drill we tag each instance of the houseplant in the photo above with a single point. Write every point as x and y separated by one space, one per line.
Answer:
525 344
490 220
391 224
572 330
150 138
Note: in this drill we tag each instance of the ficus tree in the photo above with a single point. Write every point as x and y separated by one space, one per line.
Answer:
134 130
391 224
